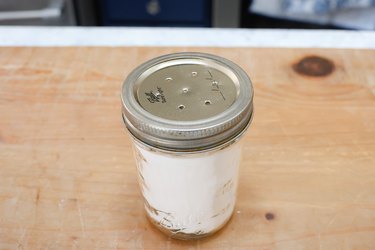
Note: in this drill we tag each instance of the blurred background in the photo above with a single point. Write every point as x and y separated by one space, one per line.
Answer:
303 14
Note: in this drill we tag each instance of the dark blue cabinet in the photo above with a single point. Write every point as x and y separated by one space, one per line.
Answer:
190 13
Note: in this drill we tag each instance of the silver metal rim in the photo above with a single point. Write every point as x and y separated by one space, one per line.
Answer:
218 146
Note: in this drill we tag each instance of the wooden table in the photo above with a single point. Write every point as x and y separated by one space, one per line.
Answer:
67 175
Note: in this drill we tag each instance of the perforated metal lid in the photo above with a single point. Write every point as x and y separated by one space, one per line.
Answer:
187 101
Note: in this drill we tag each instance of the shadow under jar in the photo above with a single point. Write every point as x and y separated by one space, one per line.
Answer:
186 113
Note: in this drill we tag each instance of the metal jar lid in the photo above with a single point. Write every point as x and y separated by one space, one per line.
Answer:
187 101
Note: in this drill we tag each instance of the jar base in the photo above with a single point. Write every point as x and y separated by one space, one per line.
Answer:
185 236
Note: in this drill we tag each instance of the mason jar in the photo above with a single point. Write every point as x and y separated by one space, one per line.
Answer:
186 114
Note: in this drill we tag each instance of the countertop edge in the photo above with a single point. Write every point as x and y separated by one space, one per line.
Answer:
192 37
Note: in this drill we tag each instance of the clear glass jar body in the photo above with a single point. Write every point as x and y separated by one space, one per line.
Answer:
188 195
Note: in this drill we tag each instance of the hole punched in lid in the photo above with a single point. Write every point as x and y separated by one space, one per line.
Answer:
181 106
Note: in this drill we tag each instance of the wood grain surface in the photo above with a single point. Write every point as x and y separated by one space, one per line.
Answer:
67 174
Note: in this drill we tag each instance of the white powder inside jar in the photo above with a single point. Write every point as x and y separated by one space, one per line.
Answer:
191 193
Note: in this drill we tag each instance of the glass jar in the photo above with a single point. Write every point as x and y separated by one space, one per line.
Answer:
186 113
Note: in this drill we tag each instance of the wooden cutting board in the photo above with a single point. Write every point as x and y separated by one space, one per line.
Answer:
67 174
